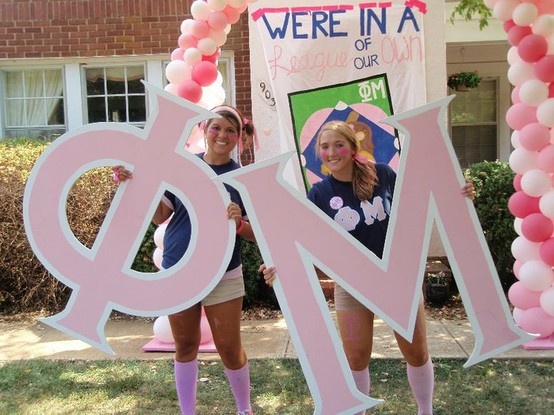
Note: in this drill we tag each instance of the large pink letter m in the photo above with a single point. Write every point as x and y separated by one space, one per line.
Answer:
298 237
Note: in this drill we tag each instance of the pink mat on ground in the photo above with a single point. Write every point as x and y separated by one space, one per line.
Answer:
156 345
540 344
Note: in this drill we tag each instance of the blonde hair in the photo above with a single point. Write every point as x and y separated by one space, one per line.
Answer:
364 175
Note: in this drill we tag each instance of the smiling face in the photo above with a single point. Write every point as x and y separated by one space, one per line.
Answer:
336 152
221 138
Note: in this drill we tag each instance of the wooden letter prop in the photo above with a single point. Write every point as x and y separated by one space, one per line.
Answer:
294 235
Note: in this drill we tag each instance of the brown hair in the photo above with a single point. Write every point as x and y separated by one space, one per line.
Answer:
364 175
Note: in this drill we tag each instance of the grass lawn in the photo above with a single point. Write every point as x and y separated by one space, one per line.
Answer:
39 387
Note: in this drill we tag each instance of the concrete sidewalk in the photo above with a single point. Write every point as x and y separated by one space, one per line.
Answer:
263 339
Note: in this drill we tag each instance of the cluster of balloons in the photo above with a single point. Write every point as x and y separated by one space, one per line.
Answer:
529 25
161 328
192 72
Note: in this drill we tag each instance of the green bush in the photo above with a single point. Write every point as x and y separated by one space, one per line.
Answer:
493 183
25 285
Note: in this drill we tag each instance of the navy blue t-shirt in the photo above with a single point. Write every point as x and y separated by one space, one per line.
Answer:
367 220
179 229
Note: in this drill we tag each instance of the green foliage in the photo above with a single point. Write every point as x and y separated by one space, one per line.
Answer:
493 182
257 292
467 79
468 8
25 285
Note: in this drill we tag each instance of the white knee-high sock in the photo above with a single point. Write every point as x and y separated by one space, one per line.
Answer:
186 375
422 382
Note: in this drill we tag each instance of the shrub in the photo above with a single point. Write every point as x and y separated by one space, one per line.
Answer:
25 285
493 182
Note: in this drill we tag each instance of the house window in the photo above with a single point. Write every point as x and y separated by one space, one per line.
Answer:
34 103
116 94
473 117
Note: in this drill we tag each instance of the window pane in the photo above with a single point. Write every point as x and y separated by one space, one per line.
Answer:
96 110
14 112
95 81
137 109
135 87
57 113
14 84
35 112
34 84
474 144
117 109
116 80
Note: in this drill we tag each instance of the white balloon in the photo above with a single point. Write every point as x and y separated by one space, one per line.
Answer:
217 5
177 71
157 257
515 139
546 204
186 26
513 55
533 92
207 46
503 10
544 25
159 235
545 113
192 56
536 275
520 71
525 14
517 313
536 182
547 301
517 225
162 330
199 10
172 88
524 250
522 160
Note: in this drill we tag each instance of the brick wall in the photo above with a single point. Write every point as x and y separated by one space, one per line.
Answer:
91 28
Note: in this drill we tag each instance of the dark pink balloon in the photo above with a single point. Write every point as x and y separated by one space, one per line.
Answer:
190 90
547 252
536 227
534 136
204 73
545 159
517 33
536 321
523 298
532 48
233 15
213 57
517 182
519 115
521 205
551 90
544 68
507 25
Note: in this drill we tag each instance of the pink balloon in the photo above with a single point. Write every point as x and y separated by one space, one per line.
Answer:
521 205
536 227
186 41
200 29
517 182
517 33
190 90
523 298
233 15
532 47
519 115
547 252
177 54
534 136
204 73
545 6
545 160
544 68
537 321
551 90
218 20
